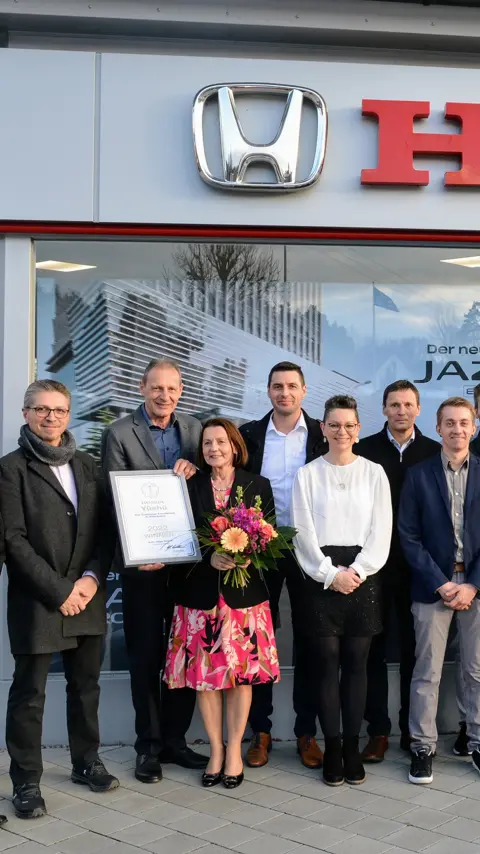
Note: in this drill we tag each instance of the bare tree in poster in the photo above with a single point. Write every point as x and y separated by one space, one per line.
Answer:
236 267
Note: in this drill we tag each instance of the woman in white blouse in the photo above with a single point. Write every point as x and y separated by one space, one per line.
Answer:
342 510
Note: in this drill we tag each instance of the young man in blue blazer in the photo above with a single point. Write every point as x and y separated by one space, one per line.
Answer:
440 536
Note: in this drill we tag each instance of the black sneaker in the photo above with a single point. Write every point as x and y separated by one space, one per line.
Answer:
421 766
476 760
96 776
460 748
27 801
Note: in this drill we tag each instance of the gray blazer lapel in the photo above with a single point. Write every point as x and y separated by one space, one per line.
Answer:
186 443
142 432
47 474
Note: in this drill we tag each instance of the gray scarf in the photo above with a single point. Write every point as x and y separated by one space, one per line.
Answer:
45 453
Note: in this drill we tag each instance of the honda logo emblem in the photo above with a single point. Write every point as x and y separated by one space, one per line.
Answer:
238 153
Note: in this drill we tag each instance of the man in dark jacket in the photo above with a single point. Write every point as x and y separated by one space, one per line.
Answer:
285 439
154 437
58 552
397 447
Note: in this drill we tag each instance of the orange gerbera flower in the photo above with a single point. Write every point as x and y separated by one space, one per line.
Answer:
234 540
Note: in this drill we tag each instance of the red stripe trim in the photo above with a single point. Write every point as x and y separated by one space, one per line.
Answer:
223 232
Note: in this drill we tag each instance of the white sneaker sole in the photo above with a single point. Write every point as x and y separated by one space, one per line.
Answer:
420 781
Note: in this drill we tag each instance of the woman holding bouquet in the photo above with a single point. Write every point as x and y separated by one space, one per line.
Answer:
222 635
342 511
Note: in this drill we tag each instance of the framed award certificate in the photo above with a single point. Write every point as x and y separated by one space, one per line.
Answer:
154 517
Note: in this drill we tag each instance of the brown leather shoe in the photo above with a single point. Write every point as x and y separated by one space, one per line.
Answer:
309 752
260 747
376 749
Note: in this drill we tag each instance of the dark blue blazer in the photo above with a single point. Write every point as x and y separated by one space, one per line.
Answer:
426 529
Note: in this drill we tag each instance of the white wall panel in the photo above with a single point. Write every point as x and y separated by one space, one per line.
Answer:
47 136
148 172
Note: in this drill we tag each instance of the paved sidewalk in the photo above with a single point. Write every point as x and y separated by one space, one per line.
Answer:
279 809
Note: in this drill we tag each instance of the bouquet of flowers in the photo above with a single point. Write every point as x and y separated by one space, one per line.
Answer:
245 534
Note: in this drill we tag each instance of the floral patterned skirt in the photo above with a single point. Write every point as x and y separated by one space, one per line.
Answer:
222 648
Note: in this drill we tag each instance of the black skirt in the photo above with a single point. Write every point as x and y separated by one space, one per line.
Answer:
328 613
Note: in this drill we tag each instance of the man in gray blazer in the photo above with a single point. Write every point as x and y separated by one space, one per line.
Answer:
154 437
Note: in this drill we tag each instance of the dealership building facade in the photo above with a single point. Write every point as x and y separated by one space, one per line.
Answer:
232 187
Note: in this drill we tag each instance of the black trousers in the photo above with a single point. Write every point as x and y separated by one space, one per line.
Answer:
162 717
26 700
303 699
396 604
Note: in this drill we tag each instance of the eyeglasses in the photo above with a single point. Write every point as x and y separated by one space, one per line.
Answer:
44 411
335 428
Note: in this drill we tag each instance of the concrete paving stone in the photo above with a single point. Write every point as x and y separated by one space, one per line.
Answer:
35 848
468 808
260 775
427 818
18 825
176 843
166 814
178 774
152 790
59 800
214 849
392 788
187 795
350 796
322 836
250 790
109 821
124 753
336 816
54 831
250 815
85 842
413 838
461 828
360 845
375 827
265 844
79 812
113 847
471 790
222 806
133 803
230 835
303 807
141 834
447 847
317 790
388 807
267 797
198 824
287 782
9 840
285 825
427 797
455 767
448 782
386 770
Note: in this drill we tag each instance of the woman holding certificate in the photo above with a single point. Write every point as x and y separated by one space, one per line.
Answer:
222 635
342 510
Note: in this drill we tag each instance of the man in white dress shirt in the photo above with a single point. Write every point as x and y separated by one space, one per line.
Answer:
278 445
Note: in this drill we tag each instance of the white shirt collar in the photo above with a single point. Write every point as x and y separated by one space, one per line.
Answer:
300 425
399 447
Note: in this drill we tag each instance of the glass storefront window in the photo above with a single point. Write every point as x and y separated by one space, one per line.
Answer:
354 317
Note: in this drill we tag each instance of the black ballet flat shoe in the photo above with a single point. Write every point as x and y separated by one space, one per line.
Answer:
209 780
231 781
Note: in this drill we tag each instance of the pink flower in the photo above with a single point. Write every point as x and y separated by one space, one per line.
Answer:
220 524
268 532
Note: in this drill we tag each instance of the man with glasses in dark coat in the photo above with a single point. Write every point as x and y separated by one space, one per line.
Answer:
59 547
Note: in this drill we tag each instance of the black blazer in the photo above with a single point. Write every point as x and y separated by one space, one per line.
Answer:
48 547
254 433
199 585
